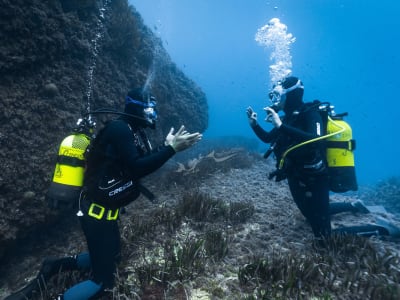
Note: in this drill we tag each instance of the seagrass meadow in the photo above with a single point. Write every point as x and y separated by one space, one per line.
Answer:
220 230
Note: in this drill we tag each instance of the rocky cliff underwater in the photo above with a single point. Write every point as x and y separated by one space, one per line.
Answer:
59 59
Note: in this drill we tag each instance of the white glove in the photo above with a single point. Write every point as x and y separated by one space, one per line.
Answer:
252 115
273 117
170 137
182 139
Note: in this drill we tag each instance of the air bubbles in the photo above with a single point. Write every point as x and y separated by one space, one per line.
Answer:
274 36
99 33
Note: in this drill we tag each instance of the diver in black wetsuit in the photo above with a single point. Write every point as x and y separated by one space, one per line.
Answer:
121 154
305 168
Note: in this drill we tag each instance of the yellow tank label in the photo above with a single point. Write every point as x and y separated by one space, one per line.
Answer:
72 152
68 175
339 157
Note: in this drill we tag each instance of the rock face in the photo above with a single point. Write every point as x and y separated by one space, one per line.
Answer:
49 50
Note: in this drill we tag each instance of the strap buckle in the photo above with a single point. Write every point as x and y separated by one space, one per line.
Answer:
97 211
112 215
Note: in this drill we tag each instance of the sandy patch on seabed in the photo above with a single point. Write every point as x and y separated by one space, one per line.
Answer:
276 221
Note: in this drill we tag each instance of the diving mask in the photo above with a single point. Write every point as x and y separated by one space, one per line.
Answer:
278 93
149 111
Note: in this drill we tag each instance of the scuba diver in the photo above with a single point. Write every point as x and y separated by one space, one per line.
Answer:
118 158
305 166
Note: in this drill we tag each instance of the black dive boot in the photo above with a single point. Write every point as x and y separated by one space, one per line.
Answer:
37 286
52 266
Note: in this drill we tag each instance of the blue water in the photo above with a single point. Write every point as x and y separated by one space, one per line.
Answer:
346 52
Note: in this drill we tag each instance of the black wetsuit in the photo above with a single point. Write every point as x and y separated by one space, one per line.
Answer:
119 147
306 171
304 167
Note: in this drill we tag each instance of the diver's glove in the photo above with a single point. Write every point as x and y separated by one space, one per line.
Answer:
252 115
182 139
273 117
170 137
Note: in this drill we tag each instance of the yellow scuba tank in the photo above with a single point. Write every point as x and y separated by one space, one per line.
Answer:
340 156
69 171
340 146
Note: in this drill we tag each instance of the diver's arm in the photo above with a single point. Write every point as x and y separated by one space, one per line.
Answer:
263 135
313 128
134 163
145 165
295 132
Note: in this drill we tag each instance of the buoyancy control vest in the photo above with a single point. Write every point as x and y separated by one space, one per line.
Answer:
106 180
339 148
68 179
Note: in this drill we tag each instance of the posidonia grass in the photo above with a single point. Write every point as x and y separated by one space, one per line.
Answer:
347 266
193 244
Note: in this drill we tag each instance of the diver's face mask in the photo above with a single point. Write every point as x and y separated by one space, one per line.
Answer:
278 94
149 109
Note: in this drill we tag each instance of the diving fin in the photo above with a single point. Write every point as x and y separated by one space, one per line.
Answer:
50 267
33 287
393 230
376 209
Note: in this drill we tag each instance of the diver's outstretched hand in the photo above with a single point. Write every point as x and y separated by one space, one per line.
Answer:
182 139
252 116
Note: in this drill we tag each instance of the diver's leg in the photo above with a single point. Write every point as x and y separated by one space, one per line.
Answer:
354 207
103 242
313 201
339 207
318 200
